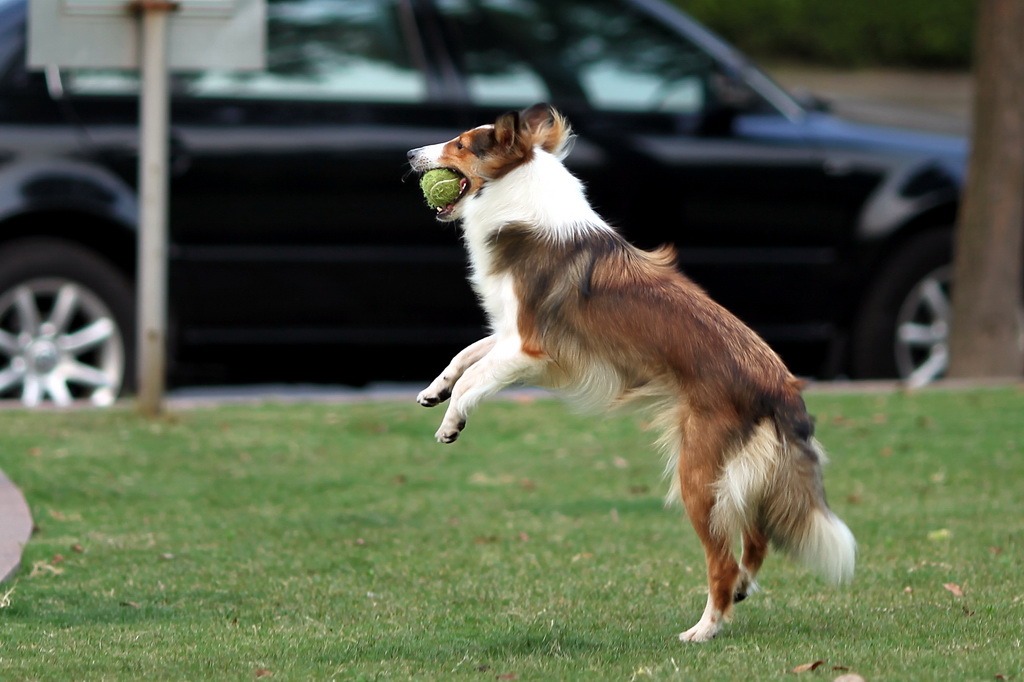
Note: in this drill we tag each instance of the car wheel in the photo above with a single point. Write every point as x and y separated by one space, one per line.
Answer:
66 316
903 327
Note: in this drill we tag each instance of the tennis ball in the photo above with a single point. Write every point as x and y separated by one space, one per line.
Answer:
440 187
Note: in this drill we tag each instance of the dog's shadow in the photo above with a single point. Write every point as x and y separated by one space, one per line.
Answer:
601 506
534 644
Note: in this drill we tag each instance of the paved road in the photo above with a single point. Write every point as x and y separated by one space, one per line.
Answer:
15 528
935 101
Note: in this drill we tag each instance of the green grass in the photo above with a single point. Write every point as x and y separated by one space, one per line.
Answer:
340 542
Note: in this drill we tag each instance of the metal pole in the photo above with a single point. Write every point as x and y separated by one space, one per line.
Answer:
152 246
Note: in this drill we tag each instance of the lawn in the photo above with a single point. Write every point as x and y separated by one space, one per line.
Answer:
319 542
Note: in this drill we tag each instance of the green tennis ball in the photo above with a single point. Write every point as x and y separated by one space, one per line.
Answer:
440 187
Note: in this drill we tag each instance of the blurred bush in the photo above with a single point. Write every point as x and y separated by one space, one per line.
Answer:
930 34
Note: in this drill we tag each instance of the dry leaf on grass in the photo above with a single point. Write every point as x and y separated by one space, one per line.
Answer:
44 568
263 672
807 667
954 589
484 479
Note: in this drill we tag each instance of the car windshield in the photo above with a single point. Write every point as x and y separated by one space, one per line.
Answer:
603 51
610 54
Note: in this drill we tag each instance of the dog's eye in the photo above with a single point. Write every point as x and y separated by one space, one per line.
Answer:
458 144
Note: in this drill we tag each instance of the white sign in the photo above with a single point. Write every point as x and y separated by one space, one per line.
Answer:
202 34
213 8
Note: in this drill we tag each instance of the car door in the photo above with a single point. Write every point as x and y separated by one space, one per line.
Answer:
675 146
291 219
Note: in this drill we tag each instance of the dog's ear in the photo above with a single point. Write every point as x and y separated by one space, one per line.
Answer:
506 130
547 129
536 117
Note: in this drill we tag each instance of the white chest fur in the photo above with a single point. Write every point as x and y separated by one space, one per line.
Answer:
541 194
498 298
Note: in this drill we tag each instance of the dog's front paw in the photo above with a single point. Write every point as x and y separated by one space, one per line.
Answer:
431 396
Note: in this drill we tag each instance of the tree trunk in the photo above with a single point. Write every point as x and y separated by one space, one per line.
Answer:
989 248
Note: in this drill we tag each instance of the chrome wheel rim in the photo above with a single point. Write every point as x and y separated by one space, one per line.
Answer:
61 344
922 329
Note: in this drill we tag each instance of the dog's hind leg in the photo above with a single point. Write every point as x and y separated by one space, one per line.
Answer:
699 466
755 548
505 364
440 389
723 576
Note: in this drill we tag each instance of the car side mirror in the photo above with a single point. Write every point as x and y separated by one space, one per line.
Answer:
730 91
728 96
810 100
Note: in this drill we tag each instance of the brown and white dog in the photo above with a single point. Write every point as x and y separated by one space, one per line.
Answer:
575 308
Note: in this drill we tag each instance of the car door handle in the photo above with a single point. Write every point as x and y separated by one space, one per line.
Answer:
178 158
837 167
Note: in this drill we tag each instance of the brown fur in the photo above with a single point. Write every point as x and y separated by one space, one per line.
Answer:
573 299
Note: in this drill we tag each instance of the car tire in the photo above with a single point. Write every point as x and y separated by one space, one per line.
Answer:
67 319
903 326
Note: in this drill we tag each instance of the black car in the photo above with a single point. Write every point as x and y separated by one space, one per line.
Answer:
297 253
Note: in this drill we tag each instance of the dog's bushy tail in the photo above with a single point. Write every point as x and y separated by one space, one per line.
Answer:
797 518
774 483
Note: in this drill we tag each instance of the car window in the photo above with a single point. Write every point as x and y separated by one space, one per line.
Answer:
604 51
502 50
316 49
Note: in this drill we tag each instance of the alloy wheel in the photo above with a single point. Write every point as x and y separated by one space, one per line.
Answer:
61 344
922 329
